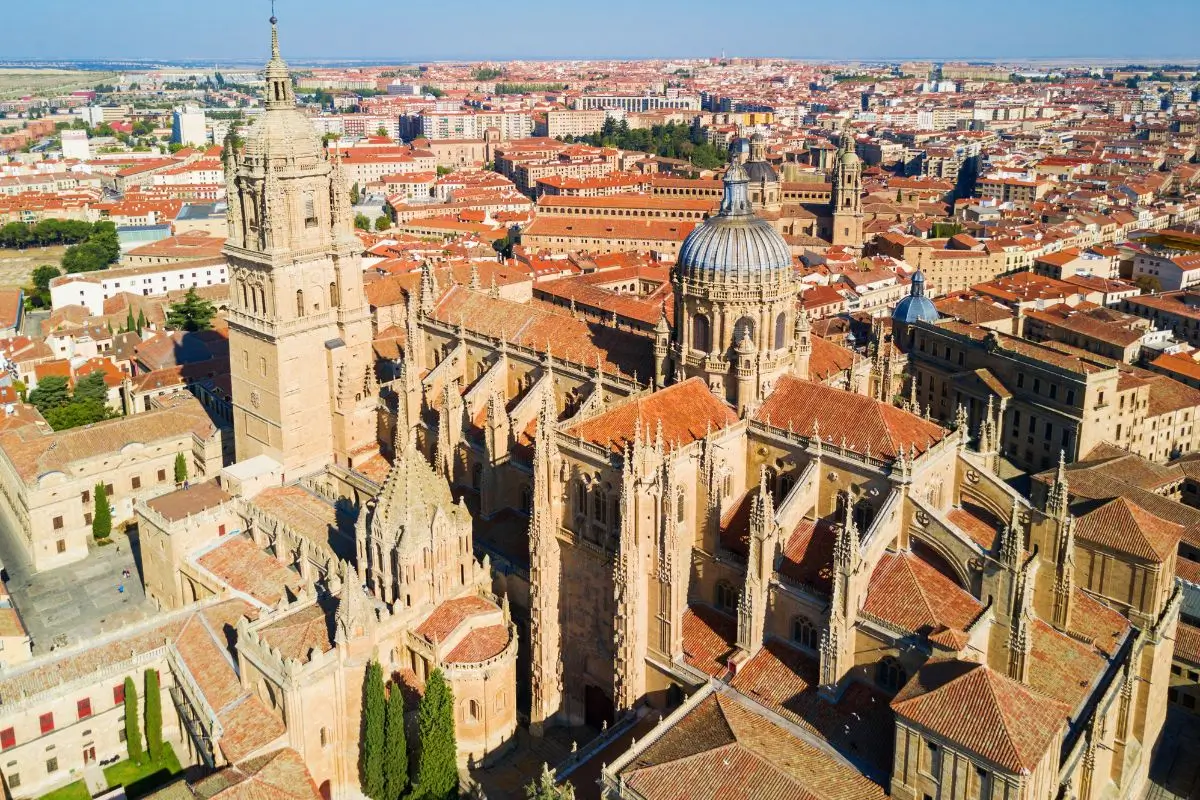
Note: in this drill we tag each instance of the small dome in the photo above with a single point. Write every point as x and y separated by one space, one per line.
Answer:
759 171
736 245
916 307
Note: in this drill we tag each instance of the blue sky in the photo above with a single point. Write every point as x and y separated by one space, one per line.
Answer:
394 30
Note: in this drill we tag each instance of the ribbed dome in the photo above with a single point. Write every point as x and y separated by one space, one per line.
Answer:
736 245
761 171
916 307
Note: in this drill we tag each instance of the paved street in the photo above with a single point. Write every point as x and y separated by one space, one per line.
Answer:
63 605
1175 772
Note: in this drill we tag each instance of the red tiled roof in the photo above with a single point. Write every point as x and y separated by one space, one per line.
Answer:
708 638
449 615
864 423
1125 527
984 712
686 410
909 593
480 645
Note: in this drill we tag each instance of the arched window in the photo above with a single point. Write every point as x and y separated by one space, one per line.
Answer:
262 300
473 709
245 294
780 330
680 504
299 302
701 336
335 298
786 482
477 476
526 500
804 633
600 506
742 328
324 737
726 597
890 674
254 299
581 497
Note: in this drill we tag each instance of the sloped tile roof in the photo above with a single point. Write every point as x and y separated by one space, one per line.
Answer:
985 712
909 593
864 423
686 410
1126 527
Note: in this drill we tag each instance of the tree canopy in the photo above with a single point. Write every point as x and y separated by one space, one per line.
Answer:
192 313
673 140
370 756
436 776
64 409
544 787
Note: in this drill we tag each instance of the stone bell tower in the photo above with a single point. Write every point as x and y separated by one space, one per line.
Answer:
300 354
847 194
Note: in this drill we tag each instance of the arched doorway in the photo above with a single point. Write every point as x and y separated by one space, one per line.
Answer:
598 711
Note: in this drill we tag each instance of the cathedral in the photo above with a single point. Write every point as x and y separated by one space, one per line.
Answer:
583 524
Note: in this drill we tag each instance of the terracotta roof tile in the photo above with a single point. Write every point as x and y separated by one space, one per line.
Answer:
686 410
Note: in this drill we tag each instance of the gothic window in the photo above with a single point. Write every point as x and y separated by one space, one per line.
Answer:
890 674
780 330
299 302
254 298
600 506
680 504
581 497
245 294
335 299
701 338
310 211
742 328
526 500
864 515
477 476
804 633
726 597
786 482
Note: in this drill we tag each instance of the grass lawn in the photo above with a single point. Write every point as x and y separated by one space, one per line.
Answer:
140 779
17 265
72 791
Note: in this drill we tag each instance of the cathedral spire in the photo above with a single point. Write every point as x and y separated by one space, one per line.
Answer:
280 92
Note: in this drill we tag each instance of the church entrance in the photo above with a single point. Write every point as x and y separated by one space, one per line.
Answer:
597 707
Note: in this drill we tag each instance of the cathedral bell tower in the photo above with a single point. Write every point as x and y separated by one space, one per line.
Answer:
847 194
300 354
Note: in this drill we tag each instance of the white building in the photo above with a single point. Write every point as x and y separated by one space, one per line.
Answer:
75 145
91 289
188 126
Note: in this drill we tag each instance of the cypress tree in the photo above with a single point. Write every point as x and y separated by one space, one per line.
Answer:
141 320
370 755
133 735
130 324
395 746
154 743
437 753
102 518
180 468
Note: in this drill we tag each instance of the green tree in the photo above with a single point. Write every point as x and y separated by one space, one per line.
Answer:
355 194
51 392
395 746
154 741
40 291
133 735
1147 283
141 320
130 322
180 468
382 222
543 787
193 313
370 755
91 388
436 776
362 222
101 529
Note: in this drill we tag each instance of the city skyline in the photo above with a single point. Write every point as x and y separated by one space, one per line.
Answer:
1021 30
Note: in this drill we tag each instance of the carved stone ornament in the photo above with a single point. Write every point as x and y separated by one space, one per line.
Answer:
255 399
